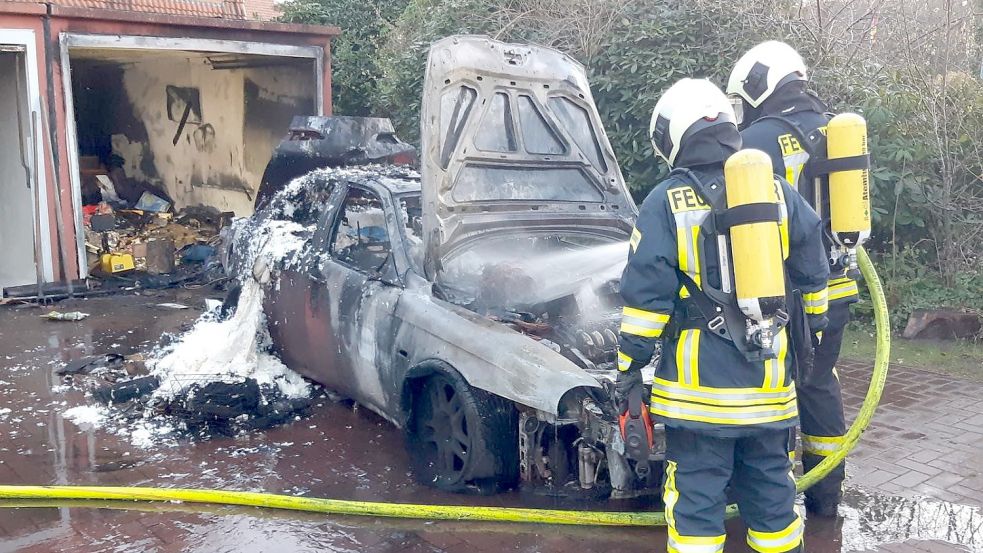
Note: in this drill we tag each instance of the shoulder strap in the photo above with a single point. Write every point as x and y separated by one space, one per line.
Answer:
813 142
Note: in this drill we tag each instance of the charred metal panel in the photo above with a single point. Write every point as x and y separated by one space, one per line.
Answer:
314 142
512 138
488 354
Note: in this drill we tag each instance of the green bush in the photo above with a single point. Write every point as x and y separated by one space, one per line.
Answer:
365 24
925 125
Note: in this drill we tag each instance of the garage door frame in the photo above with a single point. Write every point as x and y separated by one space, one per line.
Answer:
27 41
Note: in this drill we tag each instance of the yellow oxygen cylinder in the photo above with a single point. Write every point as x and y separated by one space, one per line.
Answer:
756 248
849 191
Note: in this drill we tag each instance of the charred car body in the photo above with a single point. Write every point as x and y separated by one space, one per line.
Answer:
478 309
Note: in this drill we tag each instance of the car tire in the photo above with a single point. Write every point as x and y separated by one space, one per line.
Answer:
462 439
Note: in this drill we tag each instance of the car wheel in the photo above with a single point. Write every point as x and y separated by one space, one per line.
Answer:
462 439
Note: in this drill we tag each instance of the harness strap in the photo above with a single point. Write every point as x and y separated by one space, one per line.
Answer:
762 212
853 163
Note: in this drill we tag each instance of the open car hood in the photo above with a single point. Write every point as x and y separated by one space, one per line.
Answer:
512 141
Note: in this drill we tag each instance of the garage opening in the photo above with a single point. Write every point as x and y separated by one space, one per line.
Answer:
17 190
188 128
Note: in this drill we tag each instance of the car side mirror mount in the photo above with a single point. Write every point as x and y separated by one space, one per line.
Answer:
386 271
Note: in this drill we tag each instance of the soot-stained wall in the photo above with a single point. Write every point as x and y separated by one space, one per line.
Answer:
202 134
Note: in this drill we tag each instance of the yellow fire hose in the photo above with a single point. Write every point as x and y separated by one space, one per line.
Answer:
469 513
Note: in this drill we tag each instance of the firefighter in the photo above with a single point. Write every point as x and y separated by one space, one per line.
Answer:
726 397
788 122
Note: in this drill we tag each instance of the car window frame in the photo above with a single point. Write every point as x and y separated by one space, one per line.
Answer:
393 274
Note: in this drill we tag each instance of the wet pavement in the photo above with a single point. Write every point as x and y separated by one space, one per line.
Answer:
915 482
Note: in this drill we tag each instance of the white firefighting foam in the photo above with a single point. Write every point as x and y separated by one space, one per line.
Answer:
237 348
228 351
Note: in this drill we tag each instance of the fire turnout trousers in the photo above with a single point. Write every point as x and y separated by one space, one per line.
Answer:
821 410
698 468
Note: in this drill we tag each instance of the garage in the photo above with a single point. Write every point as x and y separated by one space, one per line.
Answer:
115 109
193 128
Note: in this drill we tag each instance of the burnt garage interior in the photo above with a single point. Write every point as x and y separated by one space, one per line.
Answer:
194 128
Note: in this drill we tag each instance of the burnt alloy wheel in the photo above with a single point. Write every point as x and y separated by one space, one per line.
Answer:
443 431
462 439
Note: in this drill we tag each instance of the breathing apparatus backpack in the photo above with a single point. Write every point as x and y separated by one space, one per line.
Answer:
751 306
837 175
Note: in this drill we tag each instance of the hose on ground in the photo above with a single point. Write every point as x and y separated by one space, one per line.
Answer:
476 513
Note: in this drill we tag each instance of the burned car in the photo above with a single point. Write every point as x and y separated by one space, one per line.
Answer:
475 306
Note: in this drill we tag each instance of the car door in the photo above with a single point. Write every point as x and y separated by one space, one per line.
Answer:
352 300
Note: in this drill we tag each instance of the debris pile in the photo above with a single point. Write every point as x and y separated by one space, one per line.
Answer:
132 244
221 376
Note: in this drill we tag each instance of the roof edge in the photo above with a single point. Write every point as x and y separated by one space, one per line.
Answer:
23 8
188 21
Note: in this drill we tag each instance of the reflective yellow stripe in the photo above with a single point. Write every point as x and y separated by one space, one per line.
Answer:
670 495
734 397
695 544
647 324
624 362
688 357
695 246
750 415
688 252
783 224
653 316
821 445
816 303
776 542
682 251
775 368
636 237
641 331
842 290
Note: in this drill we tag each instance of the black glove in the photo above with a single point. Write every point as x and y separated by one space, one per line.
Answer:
626 381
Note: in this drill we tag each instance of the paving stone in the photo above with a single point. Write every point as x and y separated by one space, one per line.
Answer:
926 441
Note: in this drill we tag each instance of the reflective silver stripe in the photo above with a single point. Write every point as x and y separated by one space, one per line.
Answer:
843 290
675 545
712 396
687 234
775 368
643 323
777 542
821 445
816 302
729 415
687 357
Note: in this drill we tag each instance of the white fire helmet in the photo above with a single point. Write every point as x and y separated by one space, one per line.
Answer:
686 107
763 69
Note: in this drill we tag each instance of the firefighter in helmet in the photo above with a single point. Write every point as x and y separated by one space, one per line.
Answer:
786 120
713 249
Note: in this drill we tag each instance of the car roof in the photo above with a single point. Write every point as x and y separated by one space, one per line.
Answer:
396 184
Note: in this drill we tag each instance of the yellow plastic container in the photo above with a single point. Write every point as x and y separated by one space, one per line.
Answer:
116 262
